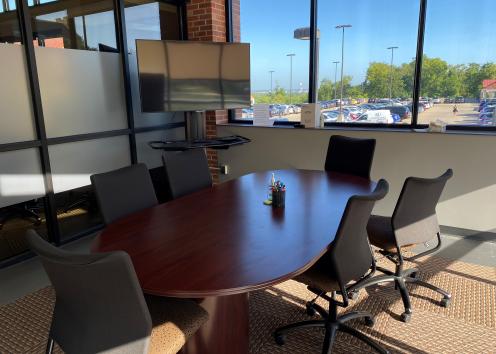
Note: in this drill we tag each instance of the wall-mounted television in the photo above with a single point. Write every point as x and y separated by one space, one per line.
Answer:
193 76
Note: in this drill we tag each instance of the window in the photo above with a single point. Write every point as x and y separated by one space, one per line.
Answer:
279 55
367 60
87 25
458 83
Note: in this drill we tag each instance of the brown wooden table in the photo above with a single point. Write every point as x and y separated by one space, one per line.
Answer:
219 244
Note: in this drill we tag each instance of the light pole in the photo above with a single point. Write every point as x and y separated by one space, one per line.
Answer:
336 78
290 76
343 27
391 73
271 72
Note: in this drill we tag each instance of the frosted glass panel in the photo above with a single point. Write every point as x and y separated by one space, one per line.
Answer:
20 177
16 117
82 91
153 158
73 163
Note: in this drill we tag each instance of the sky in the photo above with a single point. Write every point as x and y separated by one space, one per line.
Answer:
458 31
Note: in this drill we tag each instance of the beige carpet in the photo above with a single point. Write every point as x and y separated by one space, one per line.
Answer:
468 325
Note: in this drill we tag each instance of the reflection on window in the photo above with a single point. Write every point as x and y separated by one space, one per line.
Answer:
279 57
84 24
77 212
366 60
15 220
9 25
459 63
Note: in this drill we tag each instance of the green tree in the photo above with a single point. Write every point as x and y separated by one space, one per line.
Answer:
378 81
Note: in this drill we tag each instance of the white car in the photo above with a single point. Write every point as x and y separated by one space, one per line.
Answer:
376 116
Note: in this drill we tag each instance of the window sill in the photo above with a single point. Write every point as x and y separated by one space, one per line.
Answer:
456 131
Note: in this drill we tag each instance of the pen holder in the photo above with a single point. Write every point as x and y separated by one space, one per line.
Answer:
278 199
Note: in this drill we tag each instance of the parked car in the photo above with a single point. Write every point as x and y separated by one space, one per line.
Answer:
459 99
330 116
374 116
403 112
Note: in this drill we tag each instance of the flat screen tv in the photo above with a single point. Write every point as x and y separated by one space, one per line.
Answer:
193 76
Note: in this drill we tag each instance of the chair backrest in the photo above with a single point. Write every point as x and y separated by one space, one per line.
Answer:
99 304
414 219
123 191
187 171
350 155
350 255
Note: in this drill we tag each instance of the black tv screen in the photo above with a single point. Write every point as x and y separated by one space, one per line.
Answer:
193 76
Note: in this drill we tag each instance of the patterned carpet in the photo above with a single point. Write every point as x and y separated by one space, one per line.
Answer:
468 325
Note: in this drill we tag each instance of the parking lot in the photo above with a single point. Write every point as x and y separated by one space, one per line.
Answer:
467 114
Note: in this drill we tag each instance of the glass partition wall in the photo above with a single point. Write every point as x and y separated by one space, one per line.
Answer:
70 108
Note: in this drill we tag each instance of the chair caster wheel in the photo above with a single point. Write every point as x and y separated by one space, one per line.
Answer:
445 301
353 295
310 310
406 317
369 321
280 338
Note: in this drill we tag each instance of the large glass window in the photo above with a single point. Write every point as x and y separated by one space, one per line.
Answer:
459 65
21 200
279 55
366 60
83 24
15 101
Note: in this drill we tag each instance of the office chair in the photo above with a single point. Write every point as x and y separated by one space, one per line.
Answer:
350 155
348 263
186 171
123 191
414 221
100 307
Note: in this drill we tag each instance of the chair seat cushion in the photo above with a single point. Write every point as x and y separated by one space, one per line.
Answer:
319 276
381 232
174 321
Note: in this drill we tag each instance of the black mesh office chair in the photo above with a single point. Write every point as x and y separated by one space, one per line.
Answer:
187 171
347 264
350 155
123 191
100 307
414 221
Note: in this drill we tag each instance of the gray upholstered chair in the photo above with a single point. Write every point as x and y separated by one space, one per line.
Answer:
100 307
348 263
350 155
186 171
414 222
124 191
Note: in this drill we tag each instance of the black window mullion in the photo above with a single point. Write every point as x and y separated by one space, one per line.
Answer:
34 84
418 63
120 30
313 67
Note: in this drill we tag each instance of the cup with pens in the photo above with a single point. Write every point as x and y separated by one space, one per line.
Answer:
278 190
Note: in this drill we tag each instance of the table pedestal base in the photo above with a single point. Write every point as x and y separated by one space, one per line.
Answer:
226 331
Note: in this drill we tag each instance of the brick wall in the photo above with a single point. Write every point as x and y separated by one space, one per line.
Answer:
207 22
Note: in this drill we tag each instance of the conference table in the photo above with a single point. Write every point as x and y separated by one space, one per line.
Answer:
219 244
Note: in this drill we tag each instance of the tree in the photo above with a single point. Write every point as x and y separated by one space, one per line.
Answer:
378 81
434 73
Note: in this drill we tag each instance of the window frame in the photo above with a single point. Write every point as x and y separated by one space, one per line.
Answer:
313 79
42 142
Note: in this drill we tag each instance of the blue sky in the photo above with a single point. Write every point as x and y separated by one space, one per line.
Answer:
458 31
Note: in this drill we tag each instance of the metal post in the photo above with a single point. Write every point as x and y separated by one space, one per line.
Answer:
341 118
336 78
290 77
391 73
271 91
